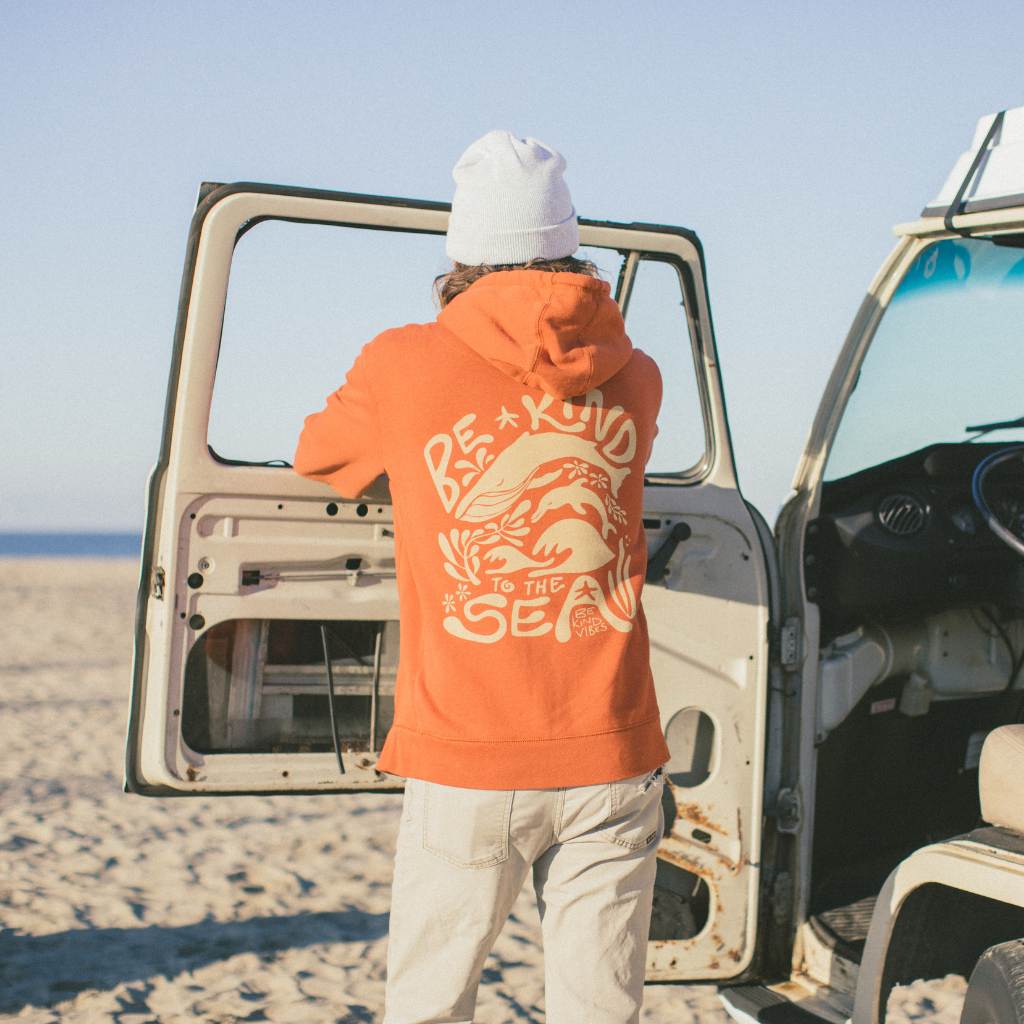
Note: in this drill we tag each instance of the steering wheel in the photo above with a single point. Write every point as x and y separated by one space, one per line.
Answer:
981 472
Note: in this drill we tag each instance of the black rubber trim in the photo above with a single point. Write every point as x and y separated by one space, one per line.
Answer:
994 835
210 194
765 1005
956 206
163 791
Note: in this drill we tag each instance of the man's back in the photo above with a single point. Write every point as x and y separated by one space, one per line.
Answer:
514 431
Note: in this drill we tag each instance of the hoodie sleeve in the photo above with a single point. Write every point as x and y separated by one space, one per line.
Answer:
341 445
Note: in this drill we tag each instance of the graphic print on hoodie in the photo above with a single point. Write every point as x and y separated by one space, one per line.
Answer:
514 431
536 519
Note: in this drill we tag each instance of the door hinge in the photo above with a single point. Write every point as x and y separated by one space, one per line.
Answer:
159 578
787 811
791 645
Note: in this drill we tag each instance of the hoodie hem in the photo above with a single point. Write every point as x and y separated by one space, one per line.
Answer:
525 764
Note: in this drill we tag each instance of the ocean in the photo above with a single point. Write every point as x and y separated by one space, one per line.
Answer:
70 545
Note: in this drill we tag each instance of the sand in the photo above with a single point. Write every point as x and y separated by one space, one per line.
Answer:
128 909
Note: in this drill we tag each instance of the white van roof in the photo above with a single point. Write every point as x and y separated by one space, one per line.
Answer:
989 175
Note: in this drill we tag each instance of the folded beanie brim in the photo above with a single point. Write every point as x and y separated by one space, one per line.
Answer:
498 245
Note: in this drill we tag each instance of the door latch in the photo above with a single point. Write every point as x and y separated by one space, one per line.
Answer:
159 579
657 564
791 645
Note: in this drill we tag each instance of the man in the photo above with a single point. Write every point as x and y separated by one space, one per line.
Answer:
514 431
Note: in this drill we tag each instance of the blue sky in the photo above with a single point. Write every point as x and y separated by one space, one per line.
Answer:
790 136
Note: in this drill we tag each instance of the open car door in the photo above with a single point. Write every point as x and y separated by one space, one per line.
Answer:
244 561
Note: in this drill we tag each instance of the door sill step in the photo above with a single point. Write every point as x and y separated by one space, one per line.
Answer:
755 1004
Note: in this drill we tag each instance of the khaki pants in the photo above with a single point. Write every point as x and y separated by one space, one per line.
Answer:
461 861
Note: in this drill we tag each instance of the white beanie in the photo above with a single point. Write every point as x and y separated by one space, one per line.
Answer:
511 203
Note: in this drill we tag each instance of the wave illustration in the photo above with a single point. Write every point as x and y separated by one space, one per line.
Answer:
587 550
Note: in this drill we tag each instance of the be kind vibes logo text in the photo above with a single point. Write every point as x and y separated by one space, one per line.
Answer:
538 541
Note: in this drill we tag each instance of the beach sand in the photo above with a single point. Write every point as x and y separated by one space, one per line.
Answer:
122 908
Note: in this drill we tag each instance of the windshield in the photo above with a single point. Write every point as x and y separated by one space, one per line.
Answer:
947 355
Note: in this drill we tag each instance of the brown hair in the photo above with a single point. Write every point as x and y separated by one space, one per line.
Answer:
461 276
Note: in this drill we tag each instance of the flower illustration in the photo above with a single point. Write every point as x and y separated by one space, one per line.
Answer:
462 591
449 602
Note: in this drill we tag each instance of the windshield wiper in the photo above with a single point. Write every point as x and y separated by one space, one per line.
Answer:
987 428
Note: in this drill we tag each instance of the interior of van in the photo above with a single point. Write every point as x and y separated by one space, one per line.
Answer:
915 561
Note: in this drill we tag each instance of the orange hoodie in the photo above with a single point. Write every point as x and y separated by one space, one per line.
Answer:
514 431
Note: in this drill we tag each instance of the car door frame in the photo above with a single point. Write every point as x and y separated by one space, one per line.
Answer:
152 578
717 467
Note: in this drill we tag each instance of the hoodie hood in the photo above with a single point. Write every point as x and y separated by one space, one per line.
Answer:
554 330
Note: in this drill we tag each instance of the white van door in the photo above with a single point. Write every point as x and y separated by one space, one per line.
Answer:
267 634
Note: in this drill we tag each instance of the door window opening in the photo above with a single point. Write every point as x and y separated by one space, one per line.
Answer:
304 298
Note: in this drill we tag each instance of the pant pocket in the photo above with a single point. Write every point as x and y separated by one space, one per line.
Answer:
466 827
635 817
